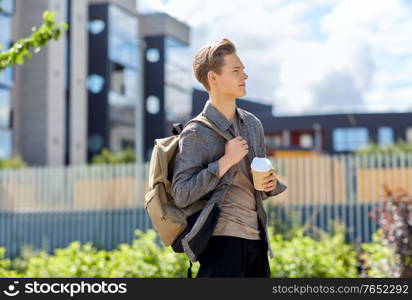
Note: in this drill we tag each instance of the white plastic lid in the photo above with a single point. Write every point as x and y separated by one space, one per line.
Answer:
261 164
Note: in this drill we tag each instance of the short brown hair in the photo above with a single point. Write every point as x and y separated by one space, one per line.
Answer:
210 58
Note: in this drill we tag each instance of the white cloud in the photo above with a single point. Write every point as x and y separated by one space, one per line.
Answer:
311 55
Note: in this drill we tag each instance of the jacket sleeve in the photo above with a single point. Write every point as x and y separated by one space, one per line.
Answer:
280 187
193 178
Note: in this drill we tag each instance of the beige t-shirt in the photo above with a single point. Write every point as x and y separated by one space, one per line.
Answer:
238 216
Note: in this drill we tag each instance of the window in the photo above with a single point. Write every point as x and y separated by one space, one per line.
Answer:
7 6
178 89
409 134
152 55
4 108
95 83
385 136
306 141
95 142
124 56
96 26
5 30
274 140
349 139
124 86
127 144
123 37
6 75
6 78
117 80
152 105
5 143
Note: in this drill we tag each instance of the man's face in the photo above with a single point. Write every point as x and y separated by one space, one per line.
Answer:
232 79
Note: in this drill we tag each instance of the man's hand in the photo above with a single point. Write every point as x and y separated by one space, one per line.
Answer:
270 182
235 150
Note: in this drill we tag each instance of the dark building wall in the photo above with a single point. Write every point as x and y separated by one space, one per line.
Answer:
154 77
98 108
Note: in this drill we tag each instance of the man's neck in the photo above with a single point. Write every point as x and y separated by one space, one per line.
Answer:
226 106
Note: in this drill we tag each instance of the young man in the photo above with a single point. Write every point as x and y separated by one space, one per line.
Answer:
229 237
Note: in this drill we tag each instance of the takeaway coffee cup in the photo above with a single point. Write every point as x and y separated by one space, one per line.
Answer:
261 167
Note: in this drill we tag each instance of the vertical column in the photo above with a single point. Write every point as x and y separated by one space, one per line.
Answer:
78 74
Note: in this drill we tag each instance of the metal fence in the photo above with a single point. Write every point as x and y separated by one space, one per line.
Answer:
342 188
50 207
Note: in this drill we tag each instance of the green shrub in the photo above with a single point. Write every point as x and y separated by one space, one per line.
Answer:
143 258
299 255
12 163
380 258
303 256
5 266
107 157
74 261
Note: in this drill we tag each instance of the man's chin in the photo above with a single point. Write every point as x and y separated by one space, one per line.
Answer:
242 94
239 94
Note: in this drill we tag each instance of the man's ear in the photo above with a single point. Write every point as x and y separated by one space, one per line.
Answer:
211 77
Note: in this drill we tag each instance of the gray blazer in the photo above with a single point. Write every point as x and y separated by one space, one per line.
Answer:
196 173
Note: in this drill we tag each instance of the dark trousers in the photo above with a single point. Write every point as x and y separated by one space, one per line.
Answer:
228 256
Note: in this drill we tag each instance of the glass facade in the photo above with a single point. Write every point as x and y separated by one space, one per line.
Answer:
6 80
123 33
385 136
178 91
349 139
5 39
7 6
123 52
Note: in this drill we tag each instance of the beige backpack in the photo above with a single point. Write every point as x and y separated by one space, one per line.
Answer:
169 220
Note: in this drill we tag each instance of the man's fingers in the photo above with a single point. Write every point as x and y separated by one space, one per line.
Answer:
269 183
269 177
269 186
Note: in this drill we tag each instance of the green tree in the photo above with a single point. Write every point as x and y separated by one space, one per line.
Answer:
36 41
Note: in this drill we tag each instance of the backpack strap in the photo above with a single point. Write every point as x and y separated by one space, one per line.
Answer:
205 121
177 128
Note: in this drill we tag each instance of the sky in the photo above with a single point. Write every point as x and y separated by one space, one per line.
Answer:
310 56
